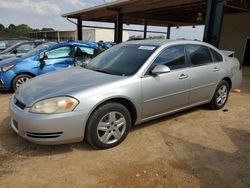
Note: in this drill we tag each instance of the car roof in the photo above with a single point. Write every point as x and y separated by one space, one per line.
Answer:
160 42
156 42
83 43
71 43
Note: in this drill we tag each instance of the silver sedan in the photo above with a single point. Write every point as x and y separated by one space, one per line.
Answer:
126 85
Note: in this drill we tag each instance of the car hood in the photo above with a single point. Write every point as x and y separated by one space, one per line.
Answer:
10 61
62 83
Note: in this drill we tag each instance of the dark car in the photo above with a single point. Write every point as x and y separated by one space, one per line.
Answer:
19 49
8 42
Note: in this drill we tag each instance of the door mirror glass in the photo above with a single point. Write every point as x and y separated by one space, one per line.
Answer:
160 69
42 56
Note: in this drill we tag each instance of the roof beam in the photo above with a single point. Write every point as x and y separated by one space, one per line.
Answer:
149 5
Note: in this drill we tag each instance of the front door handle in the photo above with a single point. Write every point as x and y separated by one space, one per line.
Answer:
183 76
216 69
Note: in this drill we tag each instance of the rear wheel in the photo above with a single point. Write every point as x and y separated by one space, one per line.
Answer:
19 80
221 95
108 126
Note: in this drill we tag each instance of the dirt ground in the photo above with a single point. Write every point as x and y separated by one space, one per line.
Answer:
194 148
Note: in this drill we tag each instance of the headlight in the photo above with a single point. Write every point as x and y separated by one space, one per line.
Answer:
54 105
6 68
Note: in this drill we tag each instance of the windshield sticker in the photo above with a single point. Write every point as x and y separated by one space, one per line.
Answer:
146 48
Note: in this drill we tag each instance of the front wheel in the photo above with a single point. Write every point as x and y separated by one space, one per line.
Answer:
108 126
19 80
220 96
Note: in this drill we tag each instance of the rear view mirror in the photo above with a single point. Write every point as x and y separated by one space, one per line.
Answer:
160 69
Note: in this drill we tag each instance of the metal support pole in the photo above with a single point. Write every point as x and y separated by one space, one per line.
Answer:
115 31
58 36
168 32
119 28
79 29
214 21
145 31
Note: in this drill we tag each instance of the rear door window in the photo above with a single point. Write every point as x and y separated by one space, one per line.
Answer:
82 51
198 55
216 56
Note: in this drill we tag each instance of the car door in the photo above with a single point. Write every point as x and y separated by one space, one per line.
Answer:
205 74
169 91
58 58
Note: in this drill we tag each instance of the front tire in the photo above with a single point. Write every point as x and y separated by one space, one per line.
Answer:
108 126
220 96
19 80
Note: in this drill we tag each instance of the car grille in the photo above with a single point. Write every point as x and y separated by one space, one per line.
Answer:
19 104
44 135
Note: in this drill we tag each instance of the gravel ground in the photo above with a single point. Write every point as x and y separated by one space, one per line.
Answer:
194 148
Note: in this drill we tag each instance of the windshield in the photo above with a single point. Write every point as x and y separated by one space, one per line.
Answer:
38 48
122 60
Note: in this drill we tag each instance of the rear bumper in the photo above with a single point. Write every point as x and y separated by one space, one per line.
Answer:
47 129
236 80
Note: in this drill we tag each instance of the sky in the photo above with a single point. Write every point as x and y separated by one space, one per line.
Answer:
47 13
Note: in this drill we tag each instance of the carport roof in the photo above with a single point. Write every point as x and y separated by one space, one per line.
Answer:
155 12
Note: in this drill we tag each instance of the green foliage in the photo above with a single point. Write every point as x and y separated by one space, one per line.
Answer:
16 31
47 29
2 27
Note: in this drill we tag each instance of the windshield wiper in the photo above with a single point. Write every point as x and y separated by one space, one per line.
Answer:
102 71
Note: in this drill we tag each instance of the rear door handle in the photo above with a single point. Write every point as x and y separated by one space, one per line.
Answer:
183 76
216 69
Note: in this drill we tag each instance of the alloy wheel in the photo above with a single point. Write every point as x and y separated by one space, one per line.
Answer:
21 80
111 127
222 95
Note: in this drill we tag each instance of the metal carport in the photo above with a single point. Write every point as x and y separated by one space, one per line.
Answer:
167 13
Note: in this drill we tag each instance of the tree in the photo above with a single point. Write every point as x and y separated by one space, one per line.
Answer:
11 26
47 29
2 27
21 30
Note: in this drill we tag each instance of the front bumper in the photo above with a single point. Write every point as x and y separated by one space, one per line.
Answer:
47 129
6 80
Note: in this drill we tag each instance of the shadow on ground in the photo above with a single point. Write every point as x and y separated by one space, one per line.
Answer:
213 168
14 144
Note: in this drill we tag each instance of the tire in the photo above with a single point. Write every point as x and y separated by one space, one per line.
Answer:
217 103
19 80
108 126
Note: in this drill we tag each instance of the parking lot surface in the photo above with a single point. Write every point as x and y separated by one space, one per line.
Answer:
194 148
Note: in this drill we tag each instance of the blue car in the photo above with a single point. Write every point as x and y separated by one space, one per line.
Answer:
45 58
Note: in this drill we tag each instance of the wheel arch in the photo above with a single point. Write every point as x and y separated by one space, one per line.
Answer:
28 73
229 81
122 100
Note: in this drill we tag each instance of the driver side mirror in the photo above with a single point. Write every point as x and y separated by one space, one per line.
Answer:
160 69
14 51
42 57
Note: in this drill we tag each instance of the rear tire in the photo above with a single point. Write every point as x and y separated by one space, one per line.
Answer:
220 96
108 126
19 80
